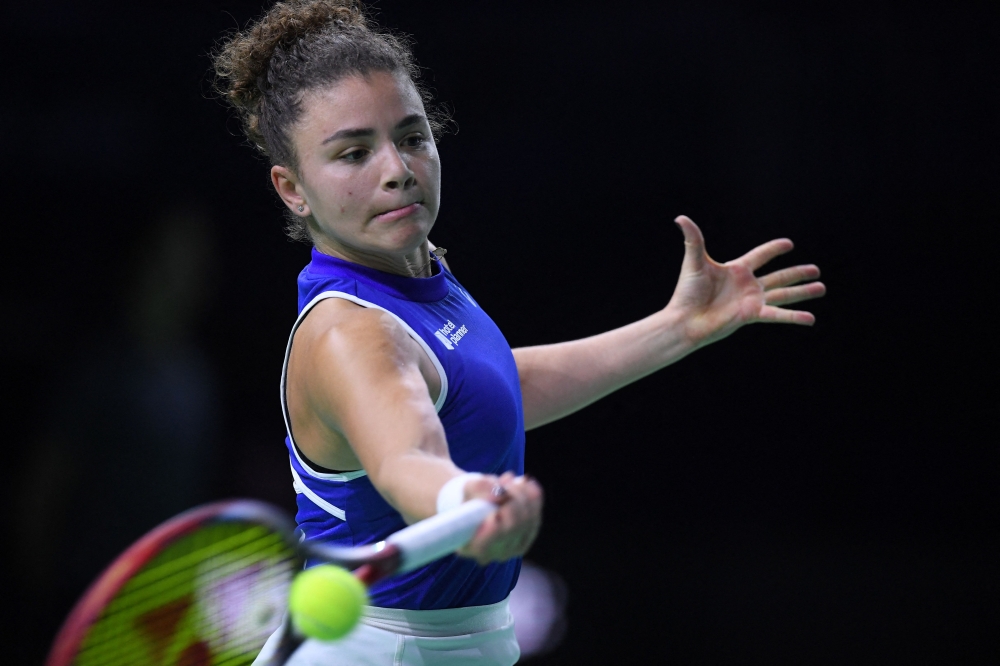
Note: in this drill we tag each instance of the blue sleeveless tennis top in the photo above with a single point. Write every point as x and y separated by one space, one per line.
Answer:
479 406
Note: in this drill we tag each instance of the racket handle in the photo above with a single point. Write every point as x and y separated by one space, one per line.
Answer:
290 642
440 535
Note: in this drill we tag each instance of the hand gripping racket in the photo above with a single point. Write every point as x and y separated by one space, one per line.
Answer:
208 587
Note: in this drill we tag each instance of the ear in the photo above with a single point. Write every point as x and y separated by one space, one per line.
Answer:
286 184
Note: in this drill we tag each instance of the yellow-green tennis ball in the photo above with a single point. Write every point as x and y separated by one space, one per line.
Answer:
325 602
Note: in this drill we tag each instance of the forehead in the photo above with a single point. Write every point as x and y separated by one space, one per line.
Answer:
378 101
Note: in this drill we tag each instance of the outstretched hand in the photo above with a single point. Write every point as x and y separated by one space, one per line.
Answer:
714 299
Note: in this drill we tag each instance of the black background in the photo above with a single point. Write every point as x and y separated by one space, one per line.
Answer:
824 495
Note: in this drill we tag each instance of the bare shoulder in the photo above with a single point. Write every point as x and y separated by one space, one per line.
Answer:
341 328
349 367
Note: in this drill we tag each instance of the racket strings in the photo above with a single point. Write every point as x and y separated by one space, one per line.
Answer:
210 598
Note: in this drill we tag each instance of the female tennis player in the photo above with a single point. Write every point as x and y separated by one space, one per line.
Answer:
401 397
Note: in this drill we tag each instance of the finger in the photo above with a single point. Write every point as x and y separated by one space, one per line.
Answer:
527 492
519 510
511 481
772 315
480 542
534 492
510 530
515 540
496 544
789 295
488 488
531 520
786 277
529 540
762 254
694 244
516 524
533 524
489 539
523 544
503 484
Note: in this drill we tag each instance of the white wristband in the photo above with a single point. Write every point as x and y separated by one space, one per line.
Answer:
452 493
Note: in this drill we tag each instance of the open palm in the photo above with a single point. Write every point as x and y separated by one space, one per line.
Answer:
715 299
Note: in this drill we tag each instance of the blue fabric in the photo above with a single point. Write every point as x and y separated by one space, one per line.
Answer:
481 414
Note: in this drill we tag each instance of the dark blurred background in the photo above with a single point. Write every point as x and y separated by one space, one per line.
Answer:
816 496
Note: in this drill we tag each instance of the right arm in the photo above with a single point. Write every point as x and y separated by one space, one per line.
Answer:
359 373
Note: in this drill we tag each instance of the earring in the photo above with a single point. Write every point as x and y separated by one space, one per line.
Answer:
301 208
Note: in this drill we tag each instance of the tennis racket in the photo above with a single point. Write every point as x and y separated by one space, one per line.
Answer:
209 586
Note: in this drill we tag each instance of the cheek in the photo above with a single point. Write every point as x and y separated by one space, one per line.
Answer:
337 194
432 173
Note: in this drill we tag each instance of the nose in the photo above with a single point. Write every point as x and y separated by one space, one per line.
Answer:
396 175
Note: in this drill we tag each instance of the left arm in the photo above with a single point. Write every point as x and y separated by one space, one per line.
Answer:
710 302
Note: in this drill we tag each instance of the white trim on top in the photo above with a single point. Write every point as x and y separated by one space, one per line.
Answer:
438 404
303 489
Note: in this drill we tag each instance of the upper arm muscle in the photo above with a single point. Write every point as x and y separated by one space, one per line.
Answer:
357 391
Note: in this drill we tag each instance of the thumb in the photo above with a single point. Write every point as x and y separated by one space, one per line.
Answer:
694 244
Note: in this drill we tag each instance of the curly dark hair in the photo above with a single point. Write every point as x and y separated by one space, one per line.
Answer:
297 46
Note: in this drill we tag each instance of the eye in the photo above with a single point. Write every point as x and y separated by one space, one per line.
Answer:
414 141
355 155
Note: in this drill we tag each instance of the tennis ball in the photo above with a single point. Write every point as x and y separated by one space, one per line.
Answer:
325 602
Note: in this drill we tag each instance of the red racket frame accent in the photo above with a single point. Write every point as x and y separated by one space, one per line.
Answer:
383 566
125 566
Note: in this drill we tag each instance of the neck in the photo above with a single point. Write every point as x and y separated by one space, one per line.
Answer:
414 263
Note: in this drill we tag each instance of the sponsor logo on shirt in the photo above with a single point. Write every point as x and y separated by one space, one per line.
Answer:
449 334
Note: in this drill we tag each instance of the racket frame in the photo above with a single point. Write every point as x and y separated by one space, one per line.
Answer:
406 550
101 592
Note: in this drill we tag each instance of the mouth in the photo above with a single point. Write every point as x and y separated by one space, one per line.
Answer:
399 213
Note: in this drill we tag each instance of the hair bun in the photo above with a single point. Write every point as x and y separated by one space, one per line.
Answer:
290 21
243 63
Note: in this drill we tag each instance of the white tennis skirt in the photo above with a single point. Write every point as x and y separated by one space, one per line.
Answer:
480 635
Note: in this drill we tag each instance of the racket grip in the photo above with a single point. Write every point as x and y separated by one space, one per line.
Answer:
440 535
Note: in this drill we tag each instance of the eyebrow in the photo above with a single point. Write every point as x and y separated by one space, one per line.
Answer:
354 133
